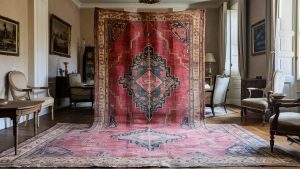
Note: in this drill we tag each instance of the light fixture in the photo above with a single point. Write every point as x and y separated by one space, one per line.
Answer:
209 58
149 1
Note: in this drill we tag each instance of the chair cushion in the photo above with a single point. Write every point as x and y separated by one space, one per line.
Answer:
255 103
288 121
75 80
47 101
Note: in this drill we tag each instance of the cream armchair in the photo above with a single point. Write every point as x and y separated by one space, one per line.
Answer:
219 93
78 91
20 90
263 104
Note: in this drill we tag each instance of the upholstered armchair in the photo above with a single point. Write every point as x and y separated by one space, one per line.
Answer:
219 93
285 123
78 91
263 104
20 90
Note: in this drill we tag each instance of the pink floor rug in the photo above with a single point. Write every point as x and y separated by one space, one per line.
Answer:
216 145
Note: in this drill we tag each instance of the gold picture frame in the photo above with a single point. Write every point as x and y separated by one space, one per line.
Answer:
60 37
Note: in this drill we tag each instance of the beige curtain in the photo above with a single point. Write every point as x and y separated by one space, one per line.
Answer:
223 35
242 38
271 17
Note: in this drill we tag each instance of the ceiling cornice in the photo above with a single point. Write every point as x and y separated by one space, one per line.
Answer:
77 3
136 5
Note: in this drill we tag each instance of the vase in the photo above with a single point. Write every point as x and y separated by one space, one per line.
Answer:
66 68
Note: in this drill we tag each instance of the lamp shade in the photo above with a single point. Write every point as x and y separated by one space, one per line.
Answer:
209 57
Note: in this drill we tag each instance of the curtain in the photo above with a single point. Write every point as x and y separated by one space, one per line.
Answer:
271 17
242 38
149 68
223 35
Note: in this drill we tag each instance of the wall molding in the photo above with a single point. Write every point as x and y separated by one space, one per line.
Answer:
176 6
77 3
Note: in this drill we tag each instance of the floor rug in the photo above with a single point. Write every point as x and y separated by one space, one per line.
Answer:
215 145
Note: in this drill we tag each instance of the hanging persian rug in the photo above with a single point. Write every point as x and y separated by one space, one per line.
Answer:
149 68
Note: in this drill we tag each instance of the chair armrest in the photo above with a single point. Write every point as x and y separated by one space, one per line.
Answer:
82 87
40 87
287 101
25 90
288 104
253 88
250 89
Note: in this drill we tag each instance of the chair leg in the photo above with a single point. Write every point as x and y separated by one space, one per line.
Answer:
225 108
52 112
27 118
212 110
272 133
264 118
38 120
242 114
5 124
70 105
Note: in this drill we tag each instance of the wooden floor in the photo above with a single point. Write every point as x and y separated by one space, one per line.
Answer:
85 115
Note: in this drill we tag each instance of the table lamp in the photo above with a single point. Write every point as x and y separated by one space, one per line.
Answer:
209 58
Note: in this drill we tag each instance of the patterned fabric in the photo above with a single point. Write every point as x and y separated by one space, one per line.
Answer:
287 121
149 81
149 67
148 138
71 145
256 103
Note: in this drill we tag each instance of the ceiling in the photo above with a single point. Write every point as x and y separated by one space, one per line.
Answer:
163 4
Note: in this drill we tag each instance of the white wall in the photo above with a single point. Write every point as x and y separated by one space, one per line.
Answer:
257 65
16 10
70 13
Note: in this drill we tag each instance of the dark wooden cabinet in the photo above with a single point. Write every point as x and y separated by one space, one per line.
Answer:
256 83
61 88
88 65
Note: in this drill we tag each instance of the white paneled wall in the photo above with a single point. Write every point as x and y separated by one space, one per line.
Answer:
37 49
285 48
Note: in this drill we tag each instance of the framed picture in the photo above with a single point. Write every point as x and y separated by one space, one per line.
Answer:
60 37
258 38
9 36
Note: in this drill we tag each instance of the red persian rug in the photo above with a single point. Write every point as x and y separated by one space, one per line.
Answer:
150 67
70 145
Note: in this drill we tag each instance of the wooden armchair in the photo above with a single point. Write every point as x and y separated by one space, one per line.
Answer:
263 104
20 90
78 91
284 123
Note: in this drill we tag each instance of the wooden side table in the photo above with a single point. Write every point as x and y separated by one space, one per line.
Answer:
15 109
